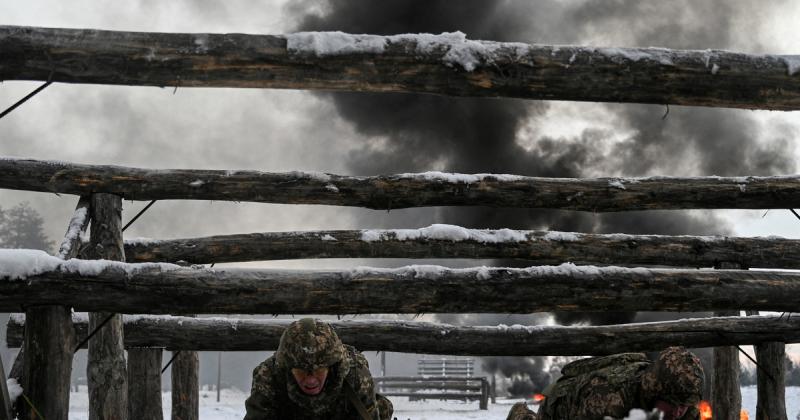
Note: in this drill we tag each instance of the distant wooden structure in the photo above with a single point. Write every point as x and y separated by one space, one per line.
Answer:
397 64
461 388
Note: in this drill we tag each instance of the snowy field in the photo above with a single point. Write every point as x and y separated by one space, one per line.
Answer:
231 406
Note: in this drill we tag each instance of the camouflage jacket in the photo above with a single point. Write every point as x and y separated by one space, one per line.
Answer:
275 395
600 387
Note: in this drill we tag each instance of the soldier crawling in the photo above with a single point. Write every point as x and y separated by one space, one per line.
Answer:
611 386
313 376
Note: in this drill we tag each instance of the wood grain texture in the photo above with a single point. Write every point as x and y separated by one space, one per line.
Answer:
770 379
702 78
214 334
47 365
186 386
538 247
414 289
106 367
726 392
144 383
48 362
386 192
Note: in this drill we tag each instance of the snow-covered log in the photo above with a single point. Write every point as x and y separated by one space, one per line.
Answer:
70 245
33 278
446 241
446 64
220 334
405 190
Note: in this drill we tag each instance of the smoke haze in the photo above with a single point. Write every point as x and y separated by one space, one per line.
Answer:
412 132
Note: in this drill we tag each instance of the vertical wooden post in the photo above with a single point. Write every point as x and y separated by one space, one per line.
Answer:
219 374
185 386
726 392
49 342
106 373
49 345
144 383
484 402
771 375
494 388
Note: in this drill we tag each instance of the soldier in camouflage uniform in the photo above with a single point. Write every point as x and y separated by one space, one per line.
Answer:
313 376
611 386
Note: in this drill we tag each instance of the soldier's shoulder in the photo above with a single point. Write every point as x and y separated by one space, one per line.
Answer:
264 375
360 377
593 364
520 411
265 368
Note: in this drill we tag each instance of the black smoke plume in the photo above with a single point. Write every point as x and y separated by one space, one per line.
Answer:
410 132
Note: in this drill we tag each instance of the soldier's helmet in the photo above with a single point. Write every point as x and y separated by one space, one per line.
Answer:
309 344
675 377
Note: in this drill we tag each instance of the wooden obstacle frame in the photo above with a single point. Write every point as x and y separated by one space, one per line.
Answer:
698 78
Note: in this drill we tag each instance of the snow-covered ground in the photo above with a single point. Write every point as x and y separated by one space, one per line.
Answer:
231 406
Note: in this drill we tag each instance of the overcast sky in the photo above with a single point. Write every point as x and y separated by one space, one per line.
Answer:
274 130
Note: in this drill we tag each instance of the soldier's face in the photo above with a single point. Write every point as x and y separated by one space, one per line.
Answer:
310 382
671 411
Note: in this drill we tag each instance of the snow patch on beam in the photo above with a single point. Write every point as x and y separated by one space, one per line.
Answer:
486 273
456 48
455 178
442 232
19 264
660 55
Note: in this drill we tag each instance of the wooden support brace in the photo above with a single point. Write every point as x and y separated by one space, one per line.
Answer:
726 400
144 383
186 386
771 404
107 376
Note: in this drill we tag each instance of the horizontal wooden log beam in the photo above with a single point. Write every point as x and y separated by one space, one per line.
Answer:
218 334
445 64
32 278
446 241
405 190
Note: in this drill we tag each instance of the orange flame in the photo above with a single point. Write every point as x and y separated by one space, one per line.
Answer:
744 415
538 398
705 410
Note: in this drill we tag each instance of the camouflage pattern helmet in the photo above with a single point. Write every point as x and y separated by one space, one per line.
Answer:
309 344
675 377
